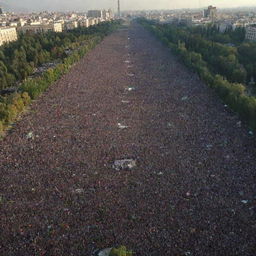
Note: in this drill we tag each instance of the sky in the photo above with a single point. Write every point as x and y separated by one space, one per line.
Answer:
83 5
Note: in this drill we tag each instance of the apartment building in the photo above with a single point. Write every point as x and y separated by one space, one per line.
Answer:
39 28
7 34
211 13
69 25
250 33
84 23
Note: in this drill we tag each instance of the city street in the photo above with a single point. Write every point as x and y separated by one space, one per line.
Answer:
129 148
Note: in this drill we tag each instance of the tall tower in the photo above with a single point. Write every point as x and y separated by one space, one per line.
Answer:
118 8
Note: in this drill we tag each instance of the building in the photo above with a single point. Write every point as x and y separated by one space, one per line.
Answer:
13 24
70 25
7 34
250 33
224 26
3 23
95 14
103 15
21 22
106 15
92 21
84 23
211 13
40 28
110 14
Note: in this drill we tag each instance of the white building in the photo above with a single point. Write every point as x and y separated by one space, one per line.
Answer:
39 28
107 15
250 33
92 21
7 34
70 25
84 23
224 26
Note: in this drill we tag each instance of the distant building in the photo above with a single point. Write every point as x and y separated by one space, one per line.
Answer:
70 25
110 14
95 14
224 26
250 33
73 16
21 22
89 22
1 10
185 21
39 28
211 13
93 21
13 24
107 15
7 34
84 23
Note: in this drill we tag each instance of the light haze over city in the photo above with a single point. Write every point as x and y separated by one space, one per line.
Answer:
81 5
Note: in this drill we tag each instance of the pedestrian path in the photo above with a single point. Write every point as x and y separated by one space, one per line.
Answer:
129 148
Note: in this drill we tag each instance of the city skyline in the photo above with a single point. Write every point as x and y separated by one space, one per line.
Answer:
82 5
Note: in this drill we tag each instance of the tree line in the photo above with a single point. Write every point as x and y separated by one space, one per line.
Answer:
19 59
223 67
240 54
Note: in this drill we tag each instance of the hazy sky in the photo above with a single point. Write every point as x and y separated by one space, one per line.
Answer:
125 4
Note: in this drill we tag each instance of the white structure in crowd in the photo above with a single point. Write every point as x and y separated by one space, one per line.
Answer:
7 34
251 33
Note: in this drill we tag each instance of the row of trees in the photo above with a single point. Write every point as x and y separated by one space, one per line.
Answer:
212 33
201 57
80 41
19 59
221 59
243 53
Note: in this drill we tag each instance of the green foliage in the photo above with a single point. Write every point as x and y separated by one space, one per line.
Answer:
11 106
17 101
32 87
18 59
12 113
3 112
120 251
1 129
26 99
223 67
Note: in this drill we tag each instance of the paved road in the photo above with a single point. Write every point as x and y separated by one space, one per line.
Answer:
192 191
